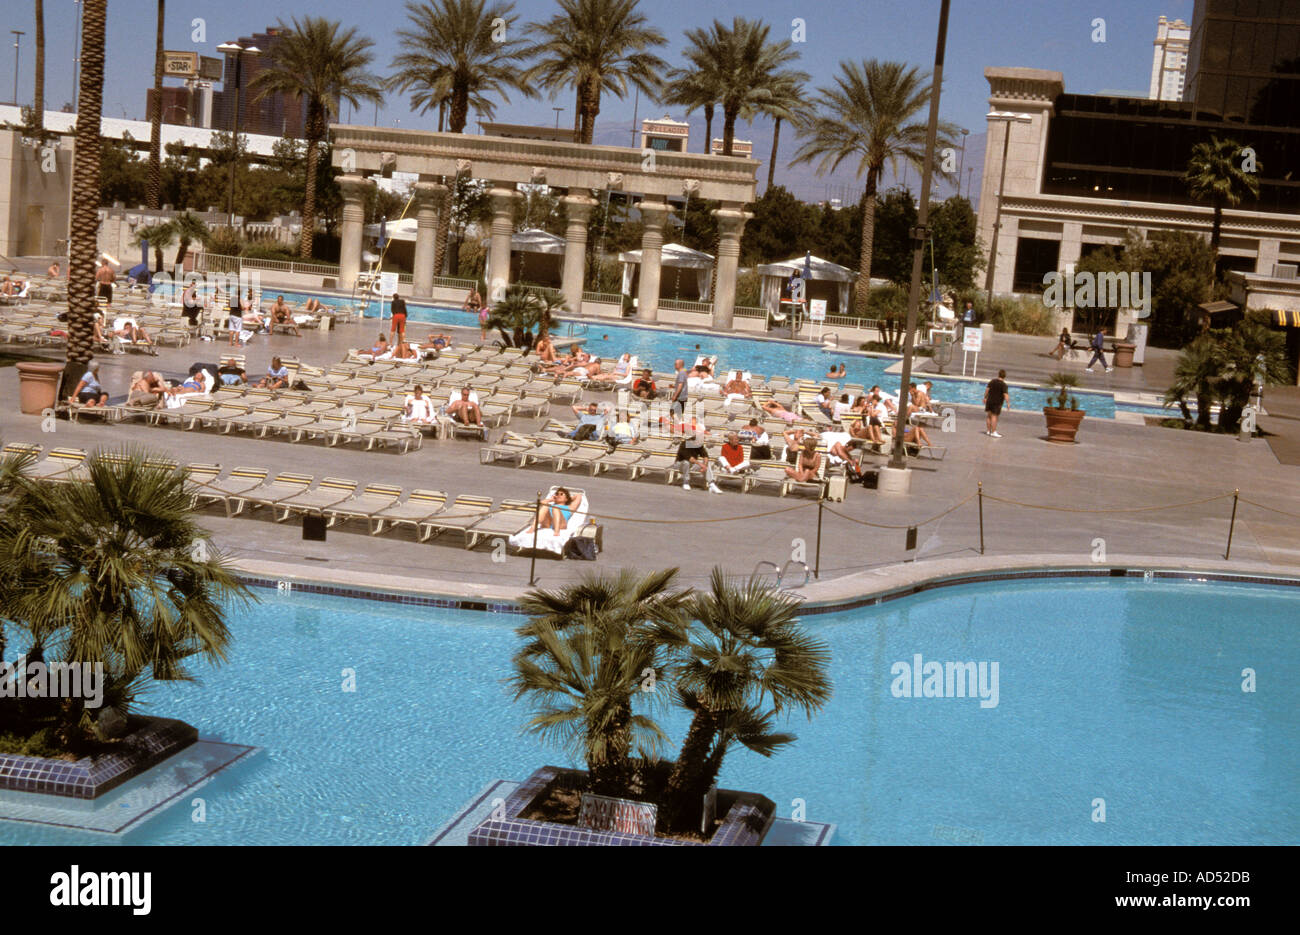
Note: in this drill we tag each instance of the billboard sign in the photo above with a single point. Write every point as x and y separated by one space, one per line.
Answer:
180 64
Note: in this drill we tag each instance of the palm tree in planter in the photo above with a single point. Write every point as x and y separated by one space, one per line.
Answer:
523 314
745 661
1063 418
112 569
190 229
589 648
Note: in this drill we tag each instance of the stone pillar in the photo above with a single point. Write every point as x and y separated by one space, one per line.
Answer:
354 189
731 223
654 215
428 201
503 226
577 211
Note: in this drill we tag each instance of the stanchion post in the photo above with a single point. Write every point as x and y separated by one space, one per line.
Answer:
981 499
1232 524
537 525
817 569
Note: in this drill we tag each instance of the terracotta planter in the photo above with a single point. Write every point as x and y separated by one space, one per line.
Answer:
38 386
1062 424
1124 354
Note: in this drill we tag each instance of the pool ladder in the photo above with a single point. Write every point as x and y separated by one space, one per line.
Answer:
574 327
782 570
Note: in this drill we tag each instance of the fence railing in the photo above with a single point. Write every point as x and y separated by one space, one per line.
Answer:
684 305
749 311
453 282
221 263
609 298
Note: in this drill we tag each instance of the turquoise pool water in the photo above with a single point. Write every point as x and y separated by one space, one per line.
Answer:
1125 691
658 347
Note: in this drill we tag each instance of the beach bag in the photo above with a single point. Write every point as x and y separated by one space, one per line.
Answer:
584 433
580 548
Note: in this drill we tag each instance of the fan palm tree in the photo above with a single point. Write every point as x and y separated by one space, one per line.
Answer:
596 46
325 64
786 103
523 314
38 96
153 193
867 115
745 662
1215 175
189 229
108 570
455 58
746 68
157 236
695 88
83 226
590 648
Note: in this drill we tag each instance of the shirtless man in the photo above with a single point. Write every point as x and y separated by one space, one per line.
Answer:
282 315
464 411
104 278
737 387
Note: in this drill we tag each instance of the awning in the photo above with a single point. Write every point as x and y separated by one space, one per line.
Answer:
1287 319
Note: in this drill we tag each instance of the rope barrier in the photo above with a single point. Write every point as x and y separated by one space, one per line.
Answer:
863 522
1134 509
1270 509
725 519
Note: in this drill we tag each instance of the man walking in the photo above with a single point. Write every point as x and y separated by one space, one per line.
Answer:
677 403
1098 346
996 395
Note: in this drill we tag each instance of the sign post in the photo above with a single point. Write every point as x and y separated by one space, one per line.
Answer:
387 289
972 341
817 313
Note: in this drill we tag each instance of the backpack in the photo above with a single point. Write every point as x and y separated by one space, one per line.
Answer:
584 432
581 548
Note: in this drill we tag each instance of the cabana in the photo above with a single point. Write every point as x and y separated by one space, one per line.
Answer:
828 281
400 249
536 257
686 273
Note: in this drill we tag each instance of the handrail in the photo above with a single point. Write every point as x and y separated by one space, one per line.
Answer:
832 334
807 572
573 326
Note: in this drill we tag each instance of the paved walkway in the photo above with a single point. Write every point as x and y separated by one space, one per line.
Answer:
1144 491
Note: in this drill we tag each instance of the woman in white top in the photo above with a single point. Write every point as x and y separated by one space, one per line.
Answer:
419 408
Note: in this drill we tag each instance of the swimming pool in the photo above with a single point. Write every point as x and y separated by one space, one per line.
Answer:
1121 690
657 347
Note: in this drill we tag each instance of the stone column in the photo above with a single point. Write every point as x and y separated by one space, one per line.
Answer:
428 200
654 215
354 189
577 211
503 226
731 223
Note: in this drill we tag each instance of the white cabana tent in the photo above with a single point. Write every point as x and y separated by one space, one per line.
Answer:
400 252
828 281
536 256
687 273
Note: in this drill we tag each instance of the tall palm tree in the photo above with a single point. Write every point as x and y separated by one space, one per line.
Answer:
694 88
867 115
1215 175
596 46
585 665
107 570
153 194
325 64
745 661
451 59
189 228
84 224
38 102
786 103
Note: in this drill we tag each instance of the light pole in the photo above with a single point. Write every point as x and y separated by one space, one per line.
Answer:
557 116
961 167
76 55
897 459
1007 118
18 38
238 51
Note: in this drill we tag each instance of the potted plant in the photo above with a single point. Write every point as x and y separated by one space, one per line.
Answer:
1062 410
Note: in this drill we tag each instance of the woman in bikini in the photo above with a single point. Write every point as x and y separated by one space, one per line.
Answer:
776 409
809 462
556 511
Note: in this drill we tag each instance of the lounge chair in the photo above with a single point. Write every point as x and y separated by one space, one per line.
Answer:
284 485
374 499
769 474
511 446
332 490
584 454
622 458
57 464
467 511
420 506
239 481
505 521
548 449
655 463
548 540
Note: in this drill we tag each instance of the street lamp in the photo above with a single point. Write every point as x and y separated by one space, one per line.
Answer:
238 51
18 38
76 55
962 165
1008 118
557 116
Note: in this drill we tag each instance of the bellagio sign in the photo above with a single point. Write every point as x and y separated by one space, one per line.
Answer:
602 813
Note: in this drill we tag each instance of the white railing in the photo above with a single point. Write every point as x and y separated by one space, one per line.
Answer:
749 311
608 298
221 263
452 282
682 305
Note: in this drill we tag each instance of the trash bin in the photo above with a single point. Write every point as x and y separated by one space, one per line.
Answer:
38 386
986 330
1124 354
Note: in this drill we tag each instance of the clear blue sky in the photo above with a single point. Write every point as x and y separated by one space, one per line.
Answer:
1055 34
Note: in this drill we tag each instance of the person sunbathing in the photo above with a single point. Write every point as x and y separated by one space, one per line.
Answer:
622 367
193 384
737 387
809 463
277 376
88 391
464 411
148 383
545 349
418 408
376 350
644 386
99 336
282 315
231 374
253 320
129 330
404 351
775 408
795 439
313 306
732 459
915 437
556 511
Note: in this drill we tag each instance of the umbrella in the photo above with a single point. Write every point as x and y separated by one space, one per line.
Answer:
807 267
383 233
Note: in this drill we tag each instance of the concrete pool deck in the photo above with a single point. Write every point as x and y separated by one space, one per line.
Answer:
1105 487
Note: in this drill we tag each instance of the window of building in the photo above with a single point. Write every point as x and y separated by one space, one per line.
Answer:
1035 258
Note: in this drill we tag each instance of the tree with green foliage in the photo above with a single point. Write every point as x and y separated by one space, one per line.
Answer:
1222 367
157 236
957 253
1215 174
781 227
523 314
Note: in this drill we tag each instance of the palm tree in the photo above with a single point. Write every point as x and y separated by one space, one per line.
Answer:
595 46
320 61
590 648
154 192
786 103
108 570
157 236
747 68
745 661
1214 174
189 228
451 59
523 314
867 115
38 102
84 223
694 88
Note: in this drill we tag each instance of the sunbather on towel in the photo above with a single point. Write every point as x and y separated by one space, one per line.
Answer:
419 408
737 387
556 511
779 411
148 383
277 376
464 411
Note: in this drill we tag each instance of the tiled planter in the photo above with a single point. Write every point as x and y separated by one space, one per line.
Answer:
744 825
87 778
